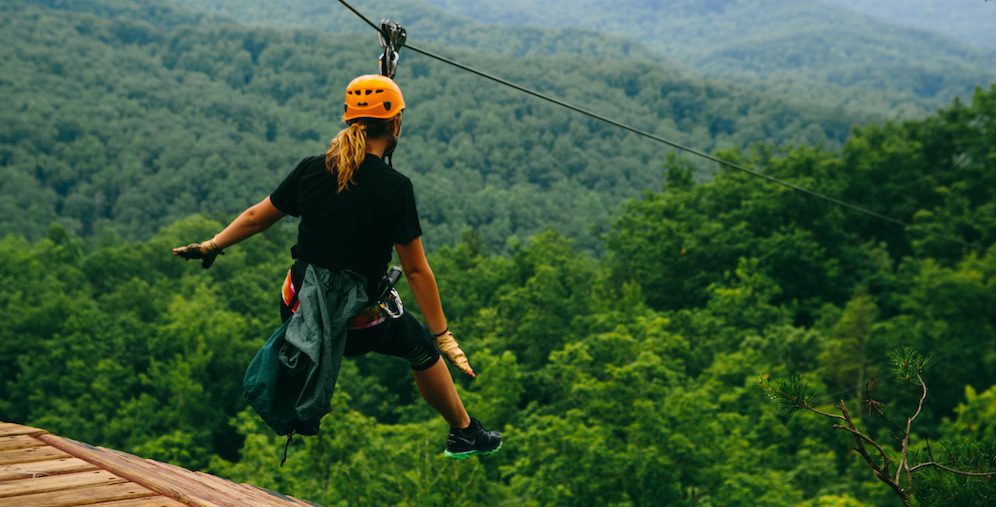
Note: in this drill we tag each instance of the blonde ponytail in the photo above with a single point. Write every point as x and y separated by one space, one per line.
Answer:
346 152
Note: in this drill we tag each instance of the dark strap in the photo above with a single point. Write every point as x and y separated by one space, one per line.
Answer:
284 459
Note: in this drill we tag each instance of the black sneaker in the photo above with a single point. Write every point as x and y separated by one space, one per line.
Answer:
462 444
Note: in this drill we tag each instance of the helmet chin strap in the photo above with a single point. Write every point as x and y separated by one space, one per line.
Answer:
389 151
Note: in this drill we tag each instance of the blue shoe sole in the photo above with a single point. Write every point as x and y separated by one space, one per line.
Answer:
466 454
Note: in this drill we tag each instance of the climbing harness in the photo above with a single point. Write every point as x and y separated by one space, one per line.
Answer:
388 303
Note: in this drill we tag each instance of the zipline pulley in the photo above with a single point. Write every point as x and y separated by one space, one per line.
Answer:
392 38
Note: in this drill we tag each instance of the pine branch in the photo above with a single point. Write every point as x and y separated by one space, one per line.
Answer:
952 470
859 437
907 366
903 465
793 394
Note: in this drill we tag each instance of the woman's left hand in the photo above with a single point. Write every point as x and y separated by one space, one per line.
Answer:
207 251
451 349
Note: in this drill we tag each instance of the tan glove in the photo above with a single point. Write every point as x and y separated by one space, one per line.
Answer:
207 251
451 349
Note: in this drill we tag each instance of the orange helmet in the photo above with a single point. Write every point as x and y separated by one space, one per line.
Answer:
373 96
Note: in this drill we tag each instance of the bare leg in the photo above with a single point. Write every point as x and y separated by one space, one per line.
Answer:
436 386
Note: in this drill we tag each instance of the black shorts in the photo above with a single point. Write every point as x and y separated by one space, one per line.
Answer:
402 337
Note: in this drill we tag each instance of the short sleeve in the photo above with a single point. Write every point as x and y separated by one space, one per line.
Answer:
404 224
284 197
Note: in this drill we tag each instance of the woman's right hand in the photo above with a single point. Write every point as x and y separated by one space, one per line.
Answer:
256 218
207 251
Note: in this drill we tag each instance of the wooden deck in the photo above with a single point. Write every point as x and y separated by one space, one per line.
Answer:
38 469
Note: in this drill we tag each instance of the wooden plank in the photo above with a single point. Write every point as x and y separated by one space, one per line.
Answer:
57 482
136 470
31 454
168 480
19 442
269 496
79 496
220 491
216 488
44 468
280 498
149 501
11 429
255 493
171 478
231 490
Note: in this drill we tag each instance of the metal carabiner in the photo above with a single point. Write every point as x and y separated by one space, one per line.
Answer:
393 307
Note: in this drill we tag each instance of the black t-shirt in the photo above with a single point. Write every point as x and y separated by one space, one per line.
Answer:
353 229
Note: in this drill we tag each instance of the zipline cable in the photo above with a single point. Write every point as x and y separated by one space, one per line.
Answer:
771 179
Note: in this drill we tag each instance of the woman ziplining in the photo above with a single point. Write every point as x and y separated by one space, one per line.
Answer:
353 208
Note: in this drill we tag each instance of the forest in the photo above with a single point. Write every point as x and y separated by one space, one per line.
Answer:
626 379
141 124
623 308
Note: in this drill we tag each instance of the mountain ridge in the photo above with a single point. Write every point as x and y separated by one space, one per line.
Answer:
696 34
206 116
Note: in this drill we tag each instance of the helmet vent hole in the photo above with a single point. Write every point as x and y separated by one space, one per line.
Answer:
380 91
387 105
369 92
361 104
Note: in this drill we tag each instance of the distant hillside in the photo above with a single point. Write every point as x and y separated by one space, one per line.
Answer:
425 23
130 115
811 51
970 21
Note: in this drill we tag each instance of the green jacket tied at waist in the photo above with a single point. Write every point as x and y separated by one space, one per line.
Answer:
291 379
